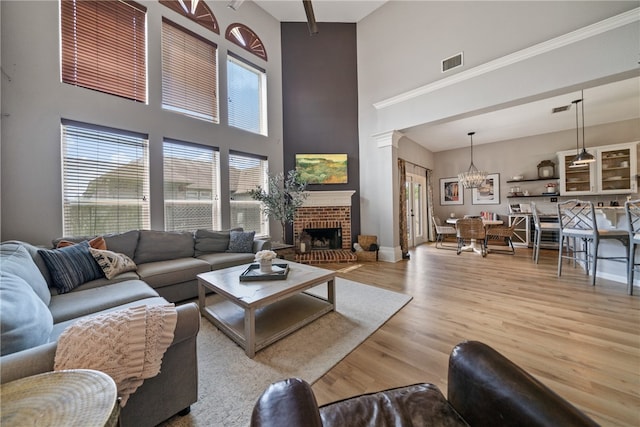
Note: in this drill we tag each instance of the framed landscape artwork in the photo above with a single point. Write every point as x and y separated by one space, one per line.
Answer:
451 192
322 168
489 192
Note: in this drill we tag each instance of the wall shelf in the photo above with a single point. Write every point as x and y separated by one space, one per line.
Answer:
534 195
533 179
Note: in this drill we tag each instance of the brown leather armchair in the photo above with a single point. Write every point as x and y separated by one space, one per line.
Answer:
484 388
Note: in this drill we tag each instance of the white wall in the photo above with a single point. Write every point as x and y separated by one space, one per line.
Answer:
400 47
34 100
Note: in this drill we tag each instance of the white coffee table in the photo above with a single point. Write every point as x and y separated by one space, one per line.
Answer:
256 314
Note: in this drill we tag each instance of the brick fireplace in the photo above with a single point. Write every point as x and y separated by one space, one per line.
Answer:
326 210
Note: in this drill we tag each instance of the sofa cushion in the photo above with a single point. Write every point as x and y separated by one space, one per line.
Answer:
71 266
165 273
112 263
218 261
241 241
15 259
25 321
163 245
88 301
123 243
207 241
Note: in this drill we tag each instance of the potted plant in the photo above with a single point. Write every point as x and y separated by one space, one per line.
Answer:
282 197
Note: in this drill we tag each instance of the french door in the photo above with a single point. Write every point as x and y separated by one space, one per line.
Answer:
415 187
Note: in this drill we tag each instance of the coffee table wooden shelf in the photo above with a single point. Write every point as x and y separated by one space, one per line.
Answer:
257 314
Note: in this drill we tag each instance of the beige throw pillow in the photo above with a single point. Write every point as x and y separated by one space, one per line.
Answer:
112 263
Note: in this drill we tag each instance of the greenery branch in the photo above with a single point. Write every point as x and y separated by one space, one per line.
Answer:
282 197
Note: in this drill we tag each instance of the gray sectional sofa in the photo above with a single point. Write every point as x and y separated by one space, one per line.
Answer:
37 303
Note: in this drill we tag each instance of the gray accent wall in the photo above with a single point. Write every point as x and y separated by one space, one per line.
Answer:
320 100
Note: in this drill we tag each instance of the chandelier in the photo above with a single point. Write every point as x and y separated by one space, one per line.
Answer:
472 178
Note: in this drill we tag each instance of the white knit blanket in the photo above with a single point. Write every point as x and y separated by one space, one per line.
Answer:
128 345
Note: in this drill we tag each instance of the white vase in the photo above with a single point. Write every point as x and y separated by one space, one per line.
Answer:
265 266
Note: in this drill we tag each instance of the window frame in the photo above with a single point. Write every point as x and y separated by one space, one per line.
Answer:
77 171
262 101
183 97
187 148
89 64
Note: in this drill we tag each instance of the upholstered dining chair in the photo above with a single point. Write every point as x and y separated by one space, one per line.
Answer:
501 232
471 235
578 223
632 208
442 231
538 229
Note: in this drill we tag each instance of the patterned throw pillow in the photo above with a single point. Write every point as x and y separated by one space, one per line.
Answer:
71 266
241 241
112 263
96 242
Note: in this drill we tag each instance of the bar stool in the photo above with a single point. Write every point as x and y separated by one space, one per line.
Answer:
578 221
538 229
632 208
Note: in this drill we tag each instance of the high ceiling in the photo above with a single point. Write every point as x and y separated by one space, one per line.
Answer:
324 10
602 104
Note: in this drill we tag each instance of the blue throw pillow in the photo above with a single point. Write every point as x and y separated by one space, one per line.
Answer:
241 241
71 266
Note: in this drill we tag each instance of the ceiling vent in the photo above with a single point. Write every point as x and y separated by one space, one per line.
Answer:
452 62
560 109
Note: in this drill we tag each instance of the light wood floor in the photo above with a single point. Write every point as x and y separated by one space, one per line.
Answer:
581 341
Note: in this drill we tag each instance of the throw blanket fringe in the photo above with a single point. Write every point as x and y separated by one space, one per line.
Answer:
128 345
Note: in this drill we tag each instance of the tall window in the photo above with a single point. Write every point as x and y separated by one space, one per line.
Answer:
191 177
189 73
247 91
104 47
105 180
246 172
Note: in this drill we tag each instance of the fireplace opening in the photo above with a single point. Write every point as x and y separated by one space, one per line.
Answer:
325 238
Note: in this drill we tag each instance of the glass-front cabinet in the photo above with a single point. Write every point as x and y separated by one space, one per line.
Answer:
613 172
576 181
617 169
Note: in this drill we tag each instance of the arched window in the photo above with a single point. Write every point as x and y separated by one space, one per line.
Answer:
244 37
196 10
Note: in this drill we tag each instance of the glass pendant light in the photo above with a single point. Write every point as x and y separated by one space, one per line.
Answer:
472 178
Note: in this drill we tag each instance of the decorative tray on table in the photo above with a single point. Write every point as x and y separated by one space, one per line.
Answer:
278 272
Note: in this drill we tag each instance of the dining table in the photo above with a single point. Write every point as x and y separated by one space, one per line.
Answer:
473 244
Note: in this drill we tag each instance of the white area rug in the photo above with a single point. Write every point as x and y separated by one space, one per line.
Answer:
230 382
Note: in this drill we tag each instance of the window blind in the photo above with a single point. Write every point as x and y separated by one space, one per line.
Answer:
104 47
105 180
247 96
246 172
191 189
189 73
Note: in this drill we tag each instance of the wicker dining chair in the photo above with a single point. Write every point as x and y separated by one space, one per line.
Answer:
471 231
504 233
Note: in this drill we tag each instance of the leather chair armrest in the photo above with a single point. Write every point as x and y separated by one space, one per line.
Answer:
288 403
486 388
